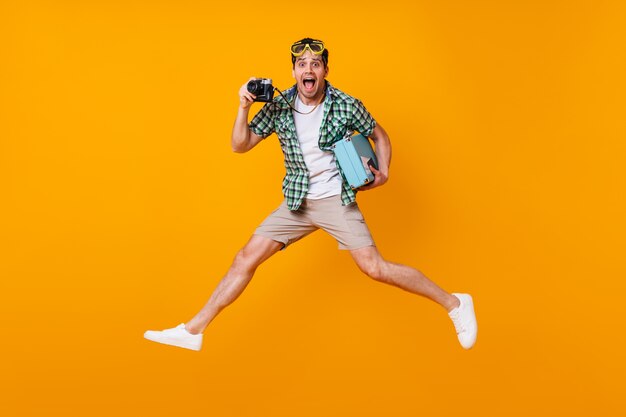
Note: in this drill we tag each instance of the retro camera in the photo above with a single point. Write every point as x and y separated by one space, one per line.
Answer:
262 88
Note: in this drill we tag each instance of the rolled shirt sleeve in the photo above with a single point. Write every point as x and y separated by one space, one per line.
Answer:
262 124
362 120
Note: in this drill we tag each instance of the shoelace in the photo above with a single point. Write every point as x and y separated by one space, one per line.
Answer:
458 326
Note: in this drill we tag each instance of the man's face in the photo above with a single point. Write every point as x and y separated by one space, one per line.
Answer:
310 73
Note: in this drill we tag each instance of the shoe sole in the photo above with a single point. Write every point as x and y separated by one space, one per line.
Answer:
172 342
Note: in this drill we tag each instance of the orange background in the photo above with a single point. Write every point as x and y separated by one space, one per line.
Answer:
122 206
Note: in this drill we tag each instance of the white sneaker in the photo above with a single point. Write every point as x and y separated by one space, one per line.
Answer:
464 320
178 336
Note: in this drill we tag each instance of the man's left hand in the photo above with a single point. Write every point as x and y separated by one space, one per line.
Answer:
379 179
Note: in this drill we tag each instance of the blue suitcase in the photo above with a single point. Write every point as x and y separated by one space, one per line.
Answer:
355 156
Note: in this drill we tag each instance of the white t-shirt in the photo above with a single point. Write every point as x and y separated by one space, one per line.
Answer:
324 177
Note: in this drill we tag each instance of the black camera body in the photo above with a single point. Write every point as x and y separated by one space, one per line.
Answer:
262 88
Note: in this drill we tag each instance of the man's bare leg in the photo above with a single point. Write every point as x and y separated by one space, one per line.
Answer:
254 253
369 260
460 307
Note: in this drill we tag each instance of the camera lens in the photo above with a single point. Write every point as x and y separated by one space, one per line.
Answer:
253 86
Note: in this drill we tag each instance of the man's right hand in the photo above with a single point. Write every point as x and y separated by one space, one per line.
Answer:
246 98
243 139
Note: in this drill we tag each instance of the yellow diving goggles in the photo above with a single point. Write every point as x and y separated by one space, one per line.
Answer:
298 48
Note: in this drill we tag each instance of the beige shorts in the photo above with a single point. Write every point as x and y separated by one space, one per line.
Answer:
344 223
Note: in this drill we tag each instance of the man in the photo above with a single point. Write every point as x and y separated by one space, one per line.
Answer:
308 119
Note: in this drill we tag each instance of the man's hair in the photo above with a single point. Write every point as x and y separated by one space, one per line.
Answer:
308 40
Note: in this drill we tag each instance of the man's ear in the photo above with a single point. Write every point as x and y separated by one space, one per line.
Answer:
326 75
293 73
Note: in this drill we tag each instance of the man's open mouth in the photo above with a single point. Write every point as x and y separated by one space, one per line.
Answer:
309 83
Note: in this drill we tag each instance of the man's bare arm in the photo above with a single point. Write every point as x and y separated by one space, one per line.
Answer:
243 139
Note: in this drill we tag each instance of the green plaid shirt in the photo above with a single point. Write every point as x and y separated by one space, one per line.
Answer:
343 115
